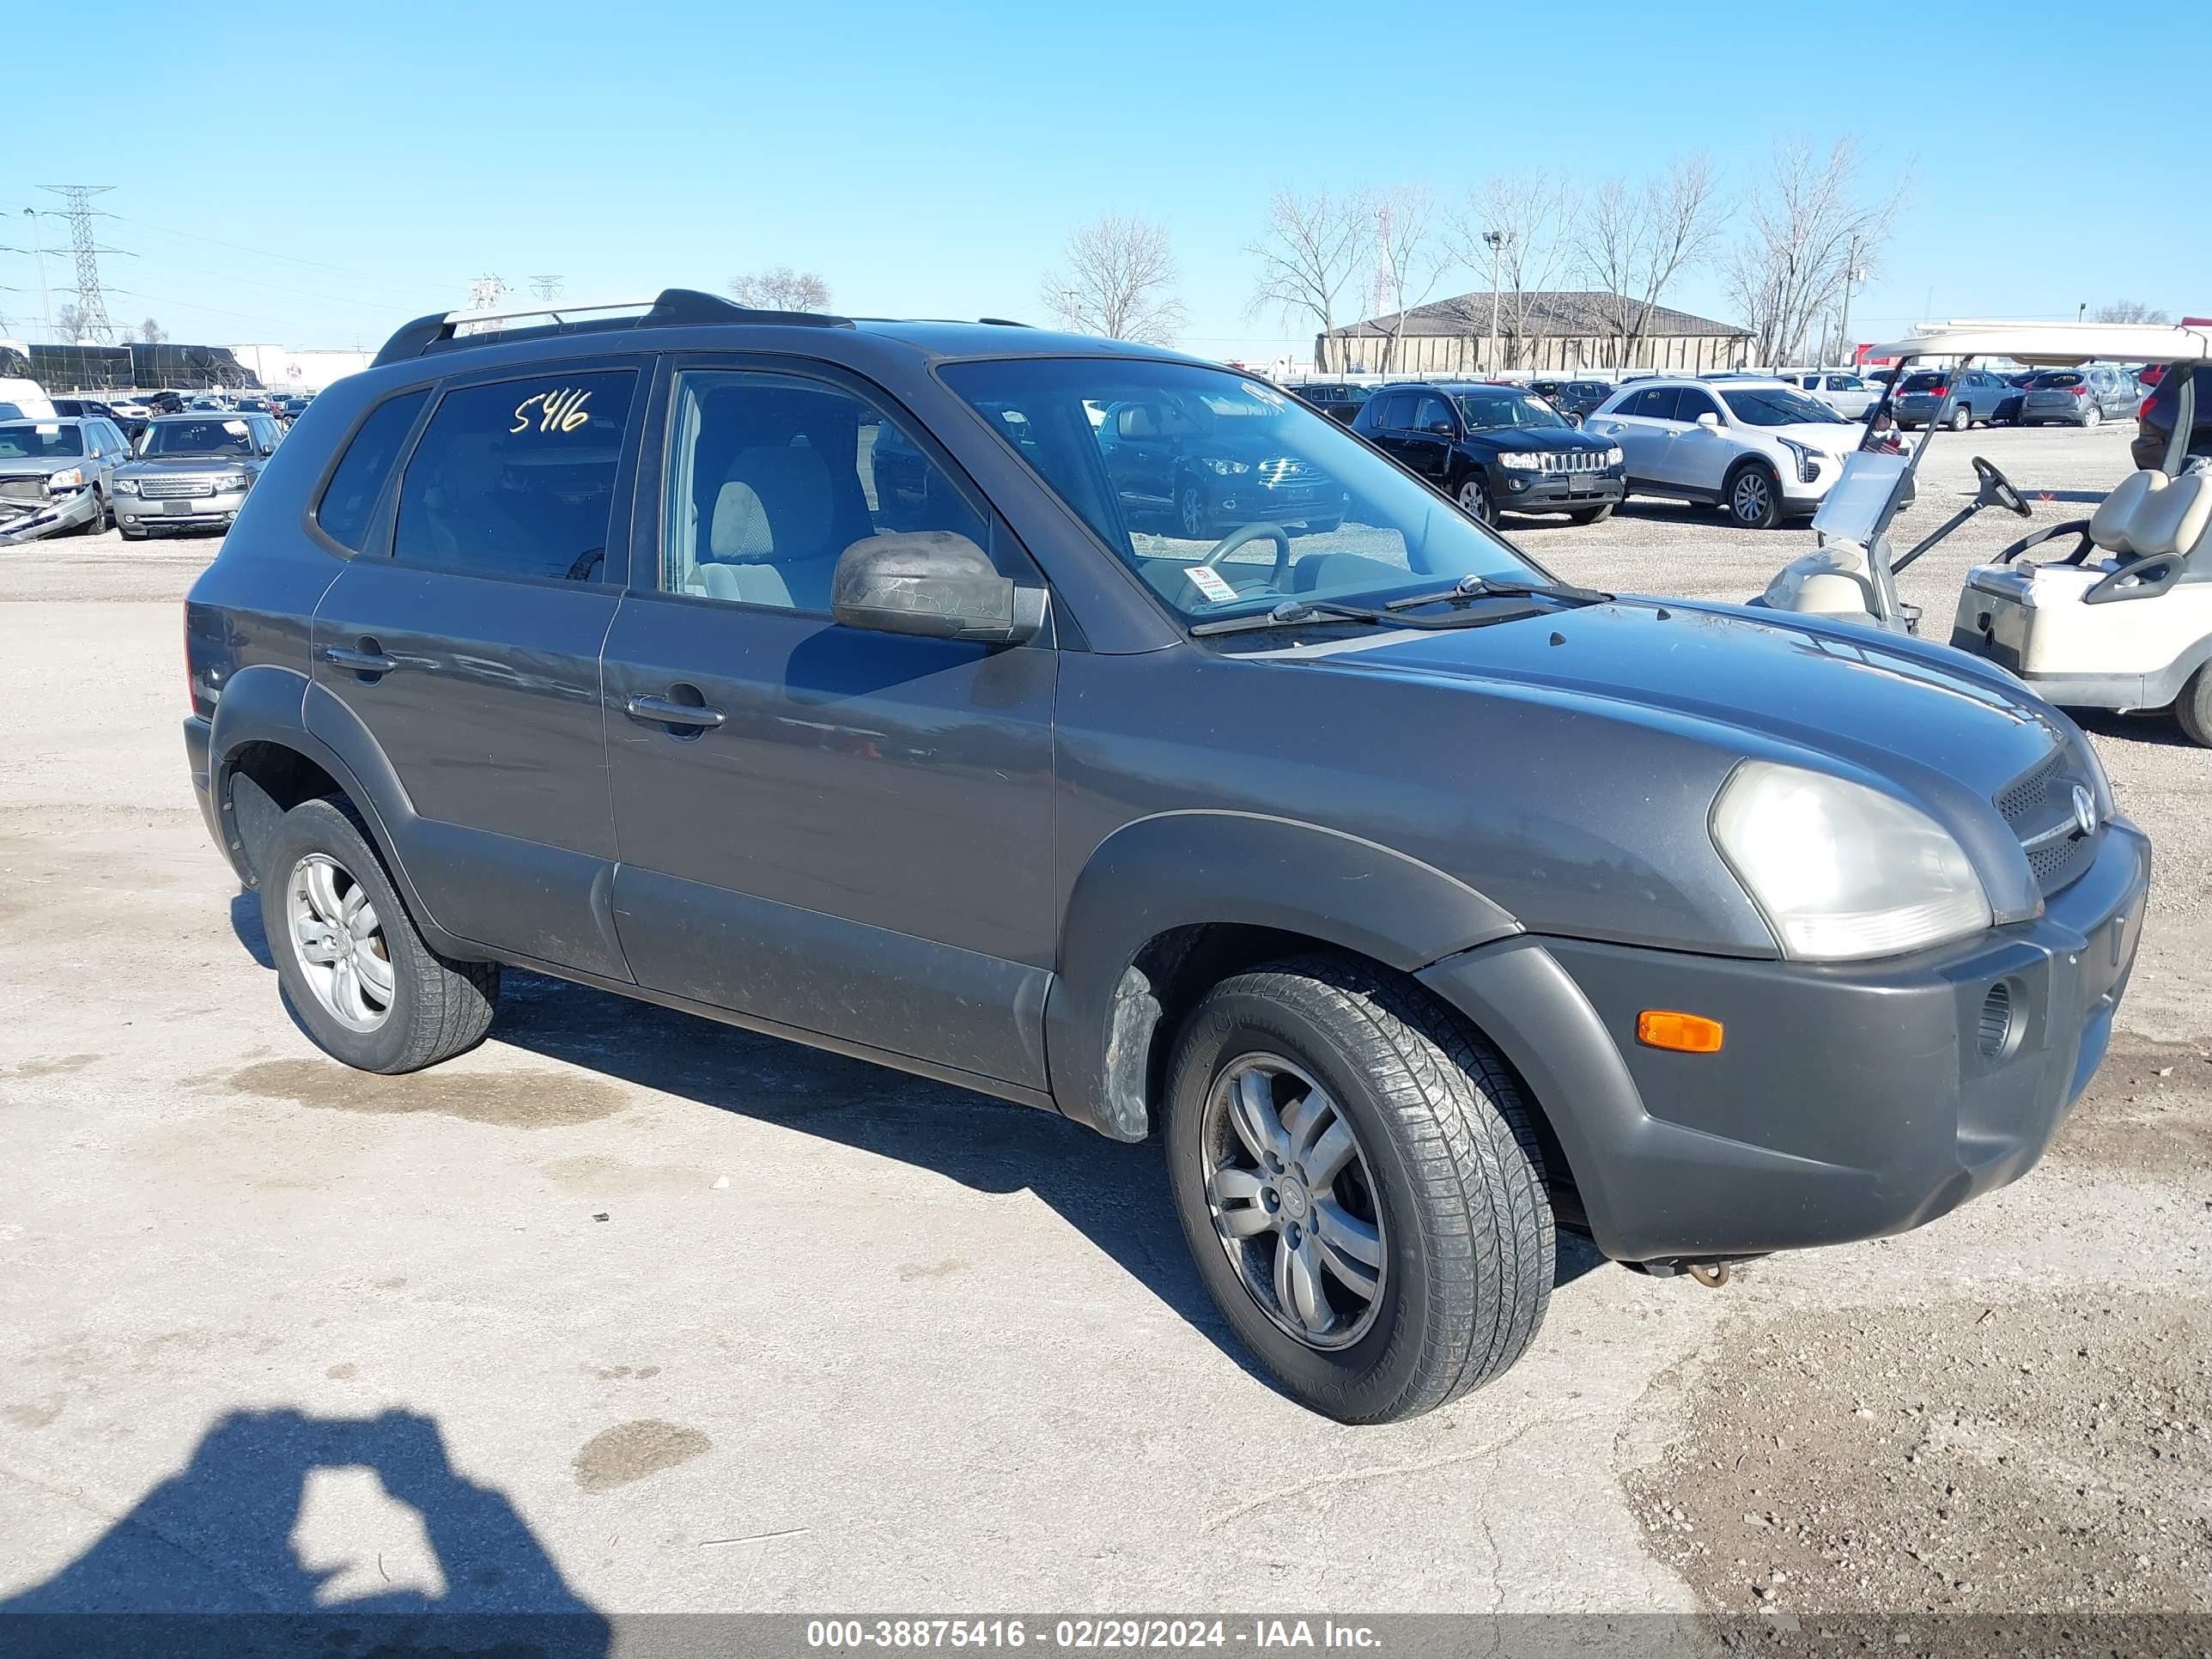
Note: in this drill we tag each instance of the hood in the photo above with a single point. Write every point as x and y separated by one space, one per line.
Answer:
168 466
39 466
1933 726
1826 437
1544 440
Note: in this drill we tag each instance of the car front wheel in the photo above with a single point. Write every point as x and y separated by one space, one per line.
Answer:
1361 1186
353 967
1754 497
1475 498
2193 708
1190 511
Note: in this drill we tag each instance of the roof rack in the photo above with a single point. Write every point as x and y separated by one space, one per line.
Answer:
672 308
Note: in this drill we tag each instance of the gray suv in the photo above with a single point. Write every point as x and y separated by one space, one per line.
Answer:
192 471
812 676
58 475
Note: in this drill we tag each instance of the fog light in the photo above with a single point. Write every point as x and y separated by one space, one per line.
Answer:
1686 1034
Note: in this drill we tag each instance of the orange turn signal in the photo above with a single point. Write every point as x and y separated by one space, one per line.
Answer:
1687 1033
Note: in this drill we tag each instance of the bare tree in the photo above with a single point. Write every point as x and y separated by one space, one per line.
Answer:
781 289
70 321
2129 311
1805 227
1410 258
1514 231
1311 249
1633 240
152 333
1118 278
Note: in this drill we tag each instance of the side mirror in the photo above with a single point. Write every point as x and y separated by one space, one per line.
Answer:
1710 419
1443 429
935 584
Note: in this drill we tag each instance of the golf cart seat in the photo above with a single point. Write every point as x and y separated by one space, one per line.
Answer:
2123 630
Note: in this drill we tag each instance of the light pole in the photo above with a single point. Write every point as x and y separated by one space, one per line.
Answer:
1495 241
38 253
2080 311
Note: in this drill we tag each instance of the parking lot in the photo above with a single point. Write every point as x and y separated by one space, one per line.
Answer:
643 1314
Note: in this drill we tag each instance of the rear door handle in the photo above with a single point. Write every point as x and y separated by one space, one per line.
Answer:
361 662
666 711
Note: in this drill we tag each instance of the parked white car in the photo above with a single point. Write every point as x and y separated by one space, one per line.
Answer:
1763 449
1849 395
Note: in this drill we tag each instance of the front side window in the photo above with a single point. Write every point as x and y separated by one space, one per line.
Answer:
1775 405
517 478
350 498
1691 403
218 437
1488 410
38 440
771 477
1250 498
1431 413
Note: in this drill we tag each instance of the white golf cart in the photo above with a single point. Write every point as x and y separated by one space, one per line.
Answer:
2123 620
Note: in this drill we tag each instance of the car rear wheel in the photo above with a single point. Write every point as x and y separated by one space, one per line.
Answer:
1961 418
1755 496
354 971
1475 498
1361 1186
2193 708
2093 415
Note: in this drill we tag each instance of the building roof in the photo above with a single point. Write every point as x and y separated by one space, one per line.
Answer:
1576 312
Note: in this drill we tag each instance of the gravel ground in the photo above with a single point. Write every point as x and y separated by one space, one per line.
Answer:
225 1257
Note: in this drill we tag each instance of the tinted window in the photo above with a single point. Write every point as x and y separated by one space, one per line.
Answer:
1694 402
2056 379
1394 411
350 496
1486 409
1845 383
518 479
771 477
1431 412
1654 402
1925 380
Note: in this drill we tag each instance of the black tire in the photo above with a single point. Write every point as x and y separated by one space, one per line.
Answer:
438 1008
1752 496
2193 707
131 535
1475 500
1961 418
1592 514
1457 1182
1322 526
98 522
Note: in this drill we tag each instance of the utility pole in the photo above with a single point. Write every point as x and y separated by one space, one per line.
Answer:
1852 274
76 208
1495 241
546 288
2080 311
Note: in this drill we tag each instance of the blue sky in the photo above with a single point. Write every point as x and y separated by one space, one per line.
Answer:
352 166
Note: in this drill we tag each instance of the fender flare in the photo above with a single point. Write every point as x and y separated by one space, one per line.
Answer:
268 704
1182 869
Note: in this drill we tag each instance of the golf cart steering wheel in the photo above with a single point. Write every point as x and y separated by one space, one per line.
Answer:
1997 490
1253 532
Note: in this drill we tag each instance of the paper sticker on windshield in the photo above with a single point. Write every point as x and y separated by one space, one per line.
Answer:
236 429
1208 581
46 431
1265 394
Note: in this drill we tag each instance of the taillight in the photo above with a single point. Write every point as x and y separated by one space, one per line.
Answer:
1941 389
2142 410
2080 391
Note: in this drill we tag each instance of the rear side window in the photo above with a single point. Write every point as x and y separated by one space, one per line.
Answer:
350 496
517 478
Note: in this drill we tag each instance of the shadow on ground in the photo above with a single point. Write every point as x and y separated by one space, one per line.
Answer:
208 1562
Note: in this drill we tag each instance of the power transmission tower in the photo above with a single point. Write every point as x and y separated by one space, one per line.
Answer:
546 288
487 291
76 208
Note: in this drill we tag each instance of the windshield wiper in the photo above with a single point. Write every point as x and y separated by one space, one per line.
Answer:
1295 613
1491 587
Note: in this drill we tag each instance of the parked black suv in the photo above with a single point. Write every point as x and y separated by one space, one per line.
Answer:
1339 400
1416 900
1495 449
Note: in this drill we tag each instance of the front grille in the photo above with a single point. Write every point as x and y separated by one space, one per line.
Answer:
170 489
24 490
1287 472
1574 460
2040 806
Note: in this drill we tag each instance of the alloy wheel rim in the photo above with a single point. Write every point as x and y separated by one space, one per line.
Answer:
1472 498
1193 513
1751 497
1293 1201
339 940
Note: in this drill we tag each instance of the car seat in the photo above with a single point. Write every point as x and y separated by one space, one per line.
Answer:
770 540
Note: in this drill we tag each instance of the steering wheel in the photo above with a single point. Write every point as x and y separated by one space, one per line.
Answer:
1997 489
1253 532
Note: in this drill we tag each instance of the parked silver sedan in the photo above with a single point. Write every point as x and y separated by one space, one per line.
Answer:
193 471
2080 397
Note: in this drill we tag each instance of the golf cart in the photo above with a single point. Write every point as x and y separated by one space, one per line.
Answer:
2122 620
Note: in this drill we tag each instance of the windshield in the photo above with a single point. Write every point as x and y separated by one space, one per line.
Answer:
1487 410
1777 405
208 437
39 440
1224 495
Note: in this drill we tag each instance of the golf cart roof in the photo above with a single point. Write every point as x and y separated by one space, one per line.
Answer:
2056 345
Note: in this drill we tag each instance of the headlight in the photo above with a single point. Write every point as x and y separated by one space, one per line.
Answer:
1614 457
1844 871
67 478
239 481
1808 459
1223 469
127 486
1522 460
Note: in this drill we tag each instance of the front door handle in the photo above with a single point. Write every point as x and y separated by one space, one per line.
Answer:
365 661
667 711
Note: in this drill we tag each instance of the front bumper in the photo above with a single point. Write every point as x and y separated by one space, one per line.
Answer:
178 513
1517 490
1848 1102
24 520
